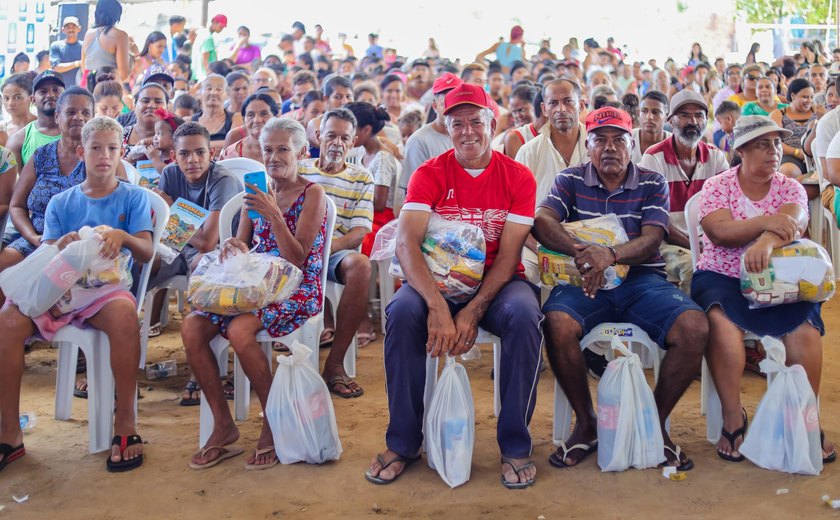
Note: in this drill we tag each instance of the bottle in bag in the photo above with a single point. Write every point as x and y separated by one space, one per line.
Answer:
27 421
455 447
162 369
30 37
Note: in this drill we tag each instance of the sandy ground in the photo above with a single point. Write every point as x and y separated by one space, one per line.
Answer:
61 477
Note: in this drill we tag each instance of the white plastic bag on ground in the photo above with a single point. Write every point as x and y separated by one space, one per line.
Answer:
450 425
300 412
785 433
629 433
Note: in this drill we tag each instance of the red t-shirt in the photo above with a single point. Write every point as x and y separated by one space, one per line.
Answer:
505 190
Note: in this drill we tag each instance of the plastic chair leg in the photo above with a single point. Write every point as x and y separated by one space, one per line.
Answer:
562 416
65 380
497 355
386 289
714 414
100 394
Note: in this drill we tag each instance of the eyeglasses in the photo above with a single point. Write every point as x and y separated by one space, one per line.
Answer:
752 78
767 145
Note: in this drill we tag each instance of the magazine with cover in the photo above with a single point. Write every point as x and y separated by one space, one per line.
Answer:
149 177
185 218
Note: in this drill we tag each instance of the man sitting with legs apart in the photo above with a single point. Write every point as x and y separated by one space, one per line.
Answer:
473 184
351 188
611 183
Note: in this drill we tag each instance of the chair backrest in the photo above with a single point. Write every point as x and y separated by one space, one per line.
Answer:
234 206
239 166
692 223
397 199
160 210
131 172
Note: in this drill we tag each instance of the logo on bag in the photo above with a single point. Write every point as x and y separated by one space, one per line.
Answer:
608 416
61 273
621 333
812 418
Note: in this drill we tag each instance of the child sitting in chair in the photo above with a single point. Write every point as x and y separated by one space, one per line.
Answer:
100 200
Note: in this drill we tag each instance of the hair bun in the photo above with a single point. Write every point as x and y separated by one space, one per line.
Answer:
382 114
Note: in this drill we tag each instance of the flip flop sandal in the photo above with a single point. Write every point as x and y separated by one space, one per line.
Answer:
279 347
683 465
381 460
226 452
560 462
257 454
81 363
731 436
10 454
191 387
124 443
517 485
364 339
833 456
155 330
228 387
344 381
327 337
78 392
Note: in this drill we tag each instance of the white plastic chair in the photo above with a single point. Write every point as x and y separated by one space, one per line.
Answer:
709 399
482 338
239 166
94 343
308 333
639 342
131 172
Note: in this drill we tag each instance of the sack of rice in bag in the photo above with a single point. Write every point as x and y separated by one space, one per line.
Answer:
559 269
800 271
242 283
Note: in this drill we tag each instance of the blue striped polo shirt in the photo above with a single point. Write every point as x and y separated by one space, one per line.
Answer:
642 200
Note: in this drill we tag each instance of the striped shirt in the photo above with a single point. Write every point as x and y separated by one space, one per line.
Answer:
642 200
350 189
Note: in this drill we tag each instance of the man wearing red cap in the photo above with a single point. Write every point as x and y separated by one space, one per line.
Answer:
204 50
430 140
612 184
472 184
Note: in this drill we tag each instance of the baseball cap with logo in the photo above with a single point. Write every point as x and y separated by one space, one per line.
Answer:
467 94
45 77
155 74
220 19
446 81
609 117
71 20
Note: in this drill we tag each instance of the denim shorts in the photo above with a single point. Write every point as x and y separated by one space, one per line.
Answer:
335 260
645 299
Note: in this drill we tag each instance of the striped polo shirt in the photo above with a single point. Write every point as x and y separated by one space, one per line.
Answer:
662 158
351 190
642 200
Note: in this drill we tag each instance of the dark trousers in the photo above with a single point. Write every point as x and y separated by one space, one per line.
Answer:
514 316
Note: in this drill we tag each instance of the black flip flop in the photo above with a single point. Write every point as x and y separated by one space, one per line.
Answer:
10 454
191 387
559 461
731 436
81 394
379 458
517 485
684 465
124 465
833 456
344 381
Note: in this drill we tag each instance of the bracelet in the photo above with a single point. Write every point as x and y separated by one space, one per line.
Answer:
615 255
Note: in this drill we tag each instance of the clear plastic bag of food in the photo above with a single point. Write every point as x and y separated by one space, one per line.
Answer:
800 271
104 271
559 269
242 283
454 252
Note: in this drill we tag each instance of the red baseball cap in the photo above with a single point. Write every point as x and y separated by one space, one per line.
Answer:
609 117
220 19
447 81
467 94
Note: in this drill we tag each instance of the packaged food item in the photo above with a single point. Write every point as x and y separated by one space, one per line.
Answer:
559 269
454 251
799 271
242 283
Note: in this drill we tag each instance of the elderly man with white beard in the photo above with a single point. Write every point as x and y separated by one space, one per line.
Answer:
686 162
351 188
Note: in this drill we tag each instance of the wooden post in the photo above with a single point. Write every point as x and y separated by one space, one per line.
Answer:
205 5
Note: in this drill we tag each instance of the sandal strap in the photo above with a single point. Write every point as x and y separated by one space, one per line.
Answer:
192 386
566 451
263 451
520 469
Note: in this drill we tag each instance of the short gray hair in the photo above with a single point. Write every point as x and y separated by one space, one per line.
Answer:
603 90
213 76
277 124
101 124
485 113
339 113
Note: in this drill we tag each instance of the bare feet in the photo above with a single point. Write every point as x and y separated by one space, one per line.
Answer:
223 436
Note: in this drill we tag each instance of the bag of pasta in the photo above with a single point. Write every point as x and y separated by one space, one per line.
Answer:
798 272
559 269
454 252
243 282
